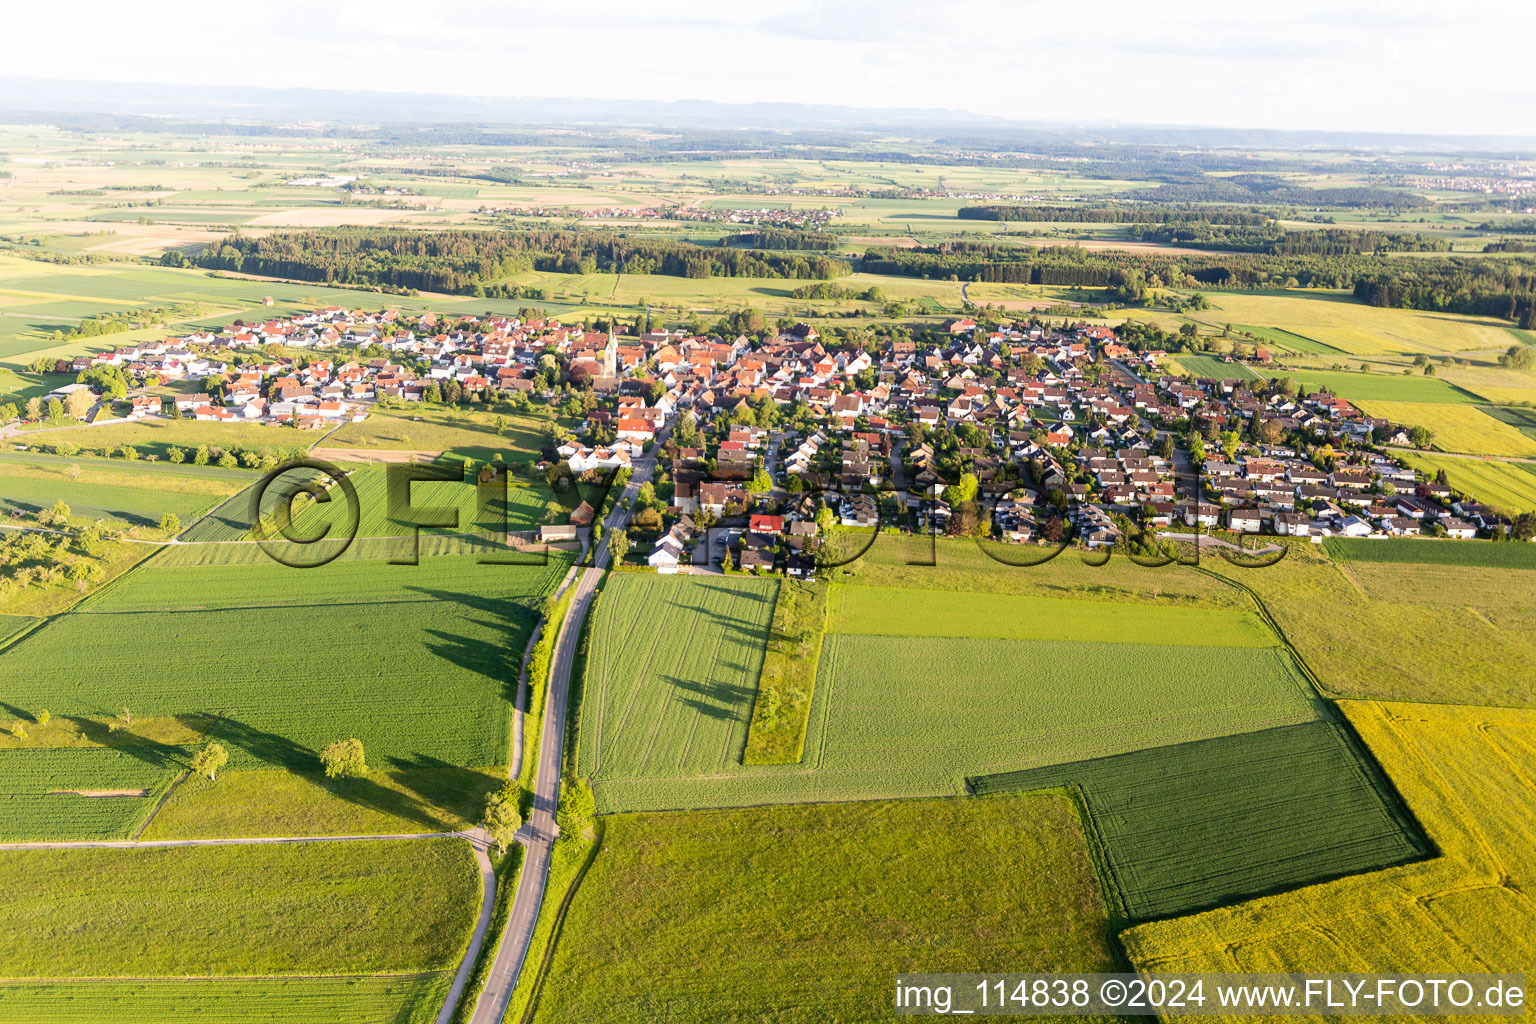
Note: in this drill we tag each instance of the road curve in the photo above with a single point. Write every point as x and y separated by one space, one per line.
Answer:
539 833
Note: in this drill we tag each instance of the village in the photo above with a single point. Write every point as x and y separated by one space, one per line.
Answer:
1024 434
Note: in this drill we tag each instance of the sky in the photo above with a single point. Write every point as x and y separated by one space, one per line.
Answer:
1444 67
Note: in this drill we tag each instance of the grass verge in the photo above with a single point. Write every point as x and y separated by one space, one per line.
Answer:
788 680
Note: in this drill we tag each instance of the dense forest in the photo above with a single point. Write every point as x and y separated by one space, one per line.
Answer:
1113 215
783 238
1504 288
466 261
1277 241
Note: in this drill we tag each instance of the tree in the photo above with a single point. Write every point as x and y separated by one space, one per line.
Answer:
210 759
34 408
200 457
761 482
825 520
963 491
1231 441
176 455
344 759
43 717
59 514
78 404
170 523
1420 436
618 546
502 816
55 409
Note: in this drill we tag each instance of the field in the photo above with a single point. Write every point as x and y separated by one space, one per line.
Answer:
1508 487
1459 635
1336 320
417 662
1411 551
129 494
39 798
475 513
675 693
415 797
1210 366
398 906
410 999
1206 823
158 437
909 612
883 725
782 708
1457 428
1465 773
803 914
442 428
1357 387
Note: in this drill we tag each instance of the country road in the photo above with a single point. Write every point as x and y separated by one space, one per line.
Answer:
541 830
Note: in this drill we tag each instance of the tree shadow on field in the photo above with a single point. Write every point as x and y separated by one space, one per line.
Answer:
501 661
717 700
443 784
274 751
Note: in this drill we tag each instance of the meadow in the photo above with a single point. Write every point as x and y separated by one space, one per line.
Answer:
782 708
1211 367
802 914
471 432
1456 428
38 798
158 436
416 661
913 717
1355 387
117 494
385 906
1251 813
910 612
1464 635
1337 321
944 563
1465 773
407 999
473 512
1415 551
673 695
409 795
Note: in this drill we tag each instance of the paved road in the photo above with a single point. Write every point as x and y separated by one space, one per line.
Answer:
539 834
478 841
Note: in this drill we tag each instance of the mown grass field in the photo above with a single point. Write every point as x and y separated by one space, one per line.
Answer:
35 802
1508 487
416 661
1200 824
1416 551
910 612
386 1000
1466 774
385 906
1455 634
1355 387
1457 428
718 916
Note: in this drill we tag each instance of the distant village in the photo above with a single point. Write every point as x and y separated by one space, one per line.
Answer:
1024 433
